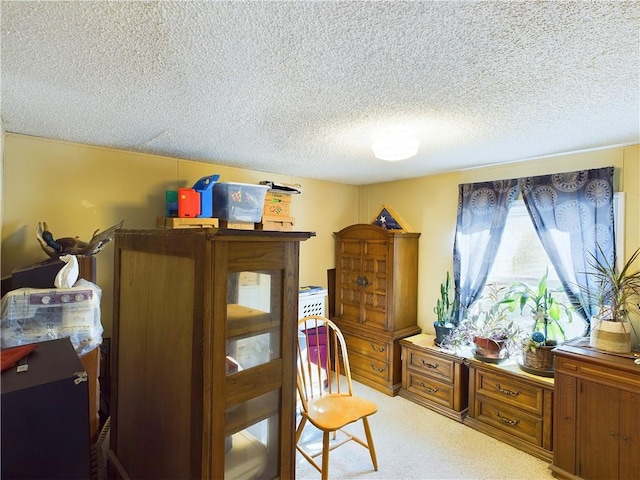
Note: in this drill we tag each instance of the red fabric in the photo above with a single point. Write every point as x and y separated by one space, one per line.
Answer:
9 356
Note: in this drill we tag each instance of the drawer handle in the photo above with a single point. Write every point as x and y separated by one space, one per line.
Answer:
430 365
506 420
378 369
378 349
511 393
428 389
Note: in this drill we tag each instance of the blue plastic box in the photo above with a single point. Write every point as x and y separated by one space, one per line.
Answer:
204 187
238 202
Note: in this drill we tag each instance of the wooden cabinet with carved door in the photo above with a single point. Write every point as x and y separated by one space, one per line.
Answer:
203 357
596 420
376 300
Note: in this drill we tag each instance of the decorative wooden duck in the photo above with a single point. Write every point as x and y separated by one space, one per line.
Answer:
73 245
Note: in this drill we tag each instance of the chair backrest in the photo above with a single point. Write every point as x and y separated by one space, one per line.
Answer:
322 360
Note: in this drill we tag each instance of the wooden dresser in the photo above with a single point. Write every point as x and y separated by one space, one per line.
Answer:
596 415
433 377
376 300
512 406
203 363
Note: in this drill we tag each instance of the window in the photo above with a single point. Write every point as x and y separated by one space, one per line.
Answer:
521 258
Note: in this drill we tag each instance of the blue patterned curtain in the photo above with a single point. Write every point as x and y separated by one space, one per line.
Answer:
482 213
573 216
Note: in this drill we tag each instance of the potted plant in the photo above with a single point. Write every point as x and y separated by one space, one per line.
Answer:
617 295
488 329
445 310
547 330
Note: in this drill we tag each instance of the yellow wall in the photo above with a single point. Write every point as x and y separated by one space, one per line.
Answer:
429 205
1 178
79 188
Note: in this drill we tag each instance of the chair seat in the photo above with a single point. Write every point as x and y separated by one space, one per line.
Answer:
334 411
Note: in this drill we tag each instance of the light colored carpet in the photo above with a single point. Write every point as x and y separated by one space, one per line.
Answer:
413 442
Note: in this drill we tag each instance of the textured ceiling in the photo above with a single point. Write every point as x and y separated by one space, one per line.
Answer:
304 88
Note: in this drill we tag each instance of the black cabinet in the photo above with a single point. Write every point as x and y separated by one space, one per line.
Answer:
45 416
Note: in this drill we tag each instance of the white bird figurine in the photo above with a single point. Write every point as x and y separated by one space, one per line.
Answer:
73 245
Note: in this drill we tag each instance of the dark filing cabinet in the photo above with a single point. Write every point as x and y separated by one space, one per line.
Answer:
45 419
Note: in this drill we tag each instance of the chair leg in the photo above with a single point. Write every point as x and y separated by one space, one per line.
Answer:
303 422
372 449
325 455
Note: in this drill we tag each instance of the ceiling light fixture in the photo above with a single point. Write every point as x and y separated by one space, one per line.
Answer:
396 146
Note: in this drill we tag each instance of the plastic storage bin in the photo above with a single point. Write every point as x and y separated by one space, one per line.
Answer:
317 345
311 302
30 315
238 202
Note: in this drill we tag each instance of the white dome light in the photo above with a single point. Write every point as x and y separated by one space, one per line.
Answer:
396 147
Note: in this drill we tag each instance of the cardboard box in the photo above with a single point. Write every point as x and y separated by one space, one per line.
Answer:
277 204
277 197
275 223
275 226
278 218
236 225
175 222
277 209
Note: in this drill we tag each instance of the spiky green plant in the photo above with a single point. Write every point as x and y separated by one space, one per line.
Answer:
618 289
447 303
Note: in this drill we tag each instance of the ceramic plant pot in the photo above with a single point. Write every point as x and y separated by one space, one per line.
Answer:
441 333
490 349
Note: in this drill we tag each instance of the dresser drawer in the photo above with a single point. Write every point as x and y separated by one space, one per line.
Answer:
508 419
510 391
430 365
430 388
369 348
369 367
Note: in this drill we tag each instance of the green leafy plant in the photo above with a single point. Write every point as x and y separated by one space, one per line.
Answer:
490 322
447 303
544 308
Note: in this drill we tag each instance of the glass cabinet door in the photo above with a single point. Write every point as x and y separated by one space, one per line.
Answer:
254 332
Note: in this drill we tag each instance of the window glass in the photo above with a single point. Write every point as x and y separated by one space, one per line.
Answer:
253 319
521 258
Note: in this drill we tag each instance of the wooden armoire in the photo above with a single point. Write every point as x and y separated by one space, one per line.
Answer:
203 360
376 288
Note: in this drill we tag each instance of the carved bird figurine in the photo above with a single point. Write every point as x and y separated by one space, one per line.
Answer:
54 247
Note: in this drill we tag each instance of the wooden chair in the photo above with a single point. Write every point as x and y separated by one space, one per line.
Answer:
326 392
